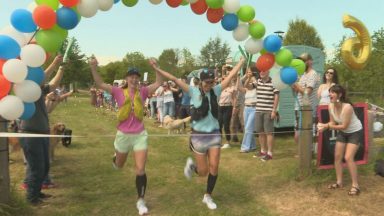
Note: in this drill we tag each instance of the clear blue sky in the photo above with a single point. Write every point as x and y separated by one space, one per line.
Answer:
152 28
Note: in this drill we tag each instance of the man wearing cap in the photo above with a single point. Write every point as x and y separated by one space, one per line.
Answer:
306 89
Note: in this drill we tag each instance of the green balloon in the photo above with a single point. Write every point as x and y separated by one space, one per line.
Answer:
215 4
257 30
284 57
62 32
50 40
130 3
184 2
263 51
299 65
246 13
54 4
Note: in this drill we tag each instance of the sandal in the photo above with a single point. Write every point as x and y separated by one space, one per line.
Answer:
354 191
334 186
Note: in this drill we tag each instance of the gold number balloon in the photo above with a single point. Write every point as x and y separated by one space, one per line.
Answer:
356 51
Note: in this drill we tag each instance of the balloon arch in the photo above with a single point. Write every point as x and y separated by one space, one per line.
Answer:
46 24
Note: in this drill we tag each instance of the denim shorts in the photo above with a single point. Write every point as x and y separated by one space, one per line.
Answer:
128 142
353 138
201 142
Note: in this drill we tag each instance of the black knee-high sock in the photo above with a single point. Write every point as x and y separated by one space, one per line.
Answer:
211 183
141 185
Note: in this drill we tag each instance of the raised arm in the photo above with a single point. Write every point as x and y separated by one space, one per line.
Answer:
159 80
225 83
52 67
169 76
98 80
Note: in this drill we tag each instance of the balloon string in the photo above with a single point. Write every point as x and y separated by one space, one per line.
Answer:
34 34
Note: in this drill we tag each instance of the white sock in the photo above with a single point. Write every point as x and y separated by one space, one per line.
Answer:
269 153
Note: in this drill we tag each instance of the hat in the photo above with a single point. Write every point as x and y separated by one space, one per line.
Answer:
133 71
305 57
207 74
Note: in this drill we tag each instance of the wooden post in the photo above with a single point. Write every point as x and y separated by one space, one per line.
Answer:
4 165
305 141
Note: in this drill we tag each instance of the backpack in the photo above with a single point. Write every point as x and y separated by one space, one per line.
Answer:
379 167
202 111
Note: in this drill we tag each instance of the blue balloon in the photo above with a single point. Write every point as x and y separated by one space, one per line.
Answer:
272 43
230 22
9 48
288 75
29 110
116 1
36 74
67 18
22 20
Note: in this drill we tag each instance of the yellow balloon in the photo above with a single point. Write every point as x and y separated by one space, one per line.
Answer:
356 51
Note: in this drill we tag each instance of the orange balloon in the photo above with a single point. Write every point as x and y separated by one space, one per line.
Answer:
2 61
215 15
44 17
5 86
265 62
200 7
69 3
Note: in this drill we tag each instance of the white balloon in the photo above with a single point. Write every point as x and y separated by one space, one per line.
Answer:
377 126
33 55
28 91
15 70
241 32
19 37
88 8
32 6
11 107
253 46
190 1
156 2
105 5
274 73
231 6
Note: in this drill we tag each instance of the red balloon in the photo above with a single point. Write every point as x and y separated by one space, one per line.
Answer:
215 15
5 86
69 3
265 62
174 3
199 7
2 61
44 17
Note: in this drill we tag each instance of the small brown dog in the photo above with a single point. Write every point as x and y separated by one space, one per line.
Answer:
177 126
57 129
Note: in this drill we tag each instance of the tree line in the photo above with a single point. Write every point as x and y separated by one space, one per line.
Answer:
181 61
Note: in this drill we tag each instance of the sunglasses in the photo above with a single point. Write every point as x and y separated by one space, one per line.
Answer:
329 72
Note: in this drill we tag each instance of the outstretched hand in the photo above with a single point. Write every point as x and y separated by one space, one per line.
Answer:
58 59
93 62
153 62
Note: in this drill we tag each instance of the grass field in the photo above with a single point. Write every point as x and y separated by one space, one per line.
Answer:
87 184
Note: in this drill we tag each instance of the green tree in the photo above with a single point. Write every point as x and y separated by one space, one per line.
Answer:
301 33
169 61
138 60
214 52
188 62
112 71
76 70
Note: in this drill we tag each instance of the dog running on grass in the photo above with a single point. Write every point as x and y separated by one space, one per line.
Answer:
177 126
